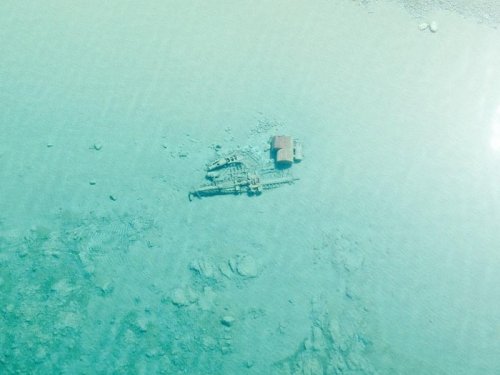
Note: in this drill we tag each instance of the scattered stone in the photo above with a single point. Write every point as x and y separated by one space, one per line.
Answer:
49 145
182 154
112 197
142 324
164 145
247 266
208 343
97 146
92 182
433 26
179 298
423 26
227 320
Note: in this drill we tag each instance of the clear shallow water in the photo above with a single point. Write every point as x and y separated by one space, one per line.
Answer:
382 258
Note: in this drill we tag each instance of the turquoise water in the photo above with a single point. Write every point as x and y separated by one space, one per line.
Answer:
382 259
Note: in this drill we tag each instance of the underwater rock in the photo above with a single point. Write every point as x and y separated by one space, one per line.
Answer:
318 340
227 320
142 324
350 259
226 270
332 348
203 267
433 26
208 343
62 288
225 345
354 261
96 146
308 344
129 337
45 300
311 366
183 297
233 264
246 266
67 320
105 286
423 26
179 298
154 352
87 263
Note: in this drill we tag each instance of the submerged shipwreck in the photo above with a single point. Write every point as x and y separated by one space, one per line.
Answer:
244 172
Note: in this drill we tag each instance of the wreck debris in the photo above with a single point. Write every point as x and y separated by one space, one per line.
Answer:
243 171
222 162
286 150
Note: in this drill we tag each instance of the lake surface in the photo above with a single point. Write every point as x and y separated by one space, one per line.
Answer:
382 258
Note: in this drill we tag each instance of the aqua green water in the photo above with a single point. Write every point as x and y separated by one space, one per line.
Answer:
381 259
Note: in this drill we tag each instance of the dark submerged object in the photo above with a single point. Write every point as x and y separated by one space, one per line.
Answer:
235 174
